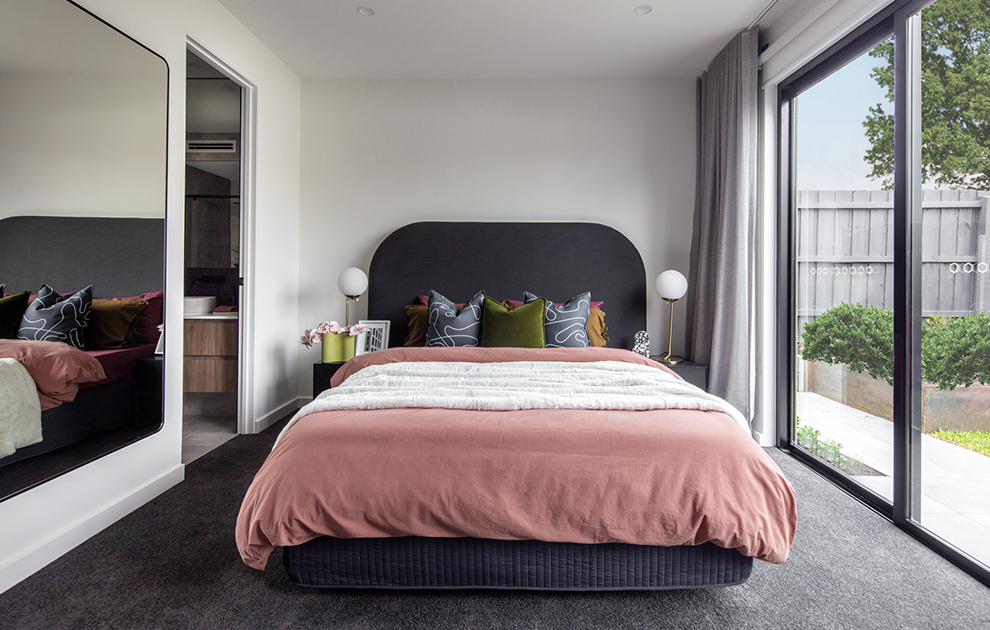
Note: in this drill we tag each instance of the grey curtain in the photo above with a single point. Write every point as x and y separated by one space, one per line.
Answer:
721 275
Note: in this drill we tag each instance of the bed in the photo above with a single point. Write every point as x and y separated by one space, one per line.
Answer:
83 251
378 488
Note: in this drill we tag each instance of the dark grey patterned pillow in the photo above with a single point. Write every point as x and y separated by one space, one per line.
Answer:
564 324
449 328
50 318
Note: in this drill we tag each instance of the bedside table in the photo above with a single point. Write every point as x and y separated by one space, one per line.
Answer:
322 373
149 374
692 372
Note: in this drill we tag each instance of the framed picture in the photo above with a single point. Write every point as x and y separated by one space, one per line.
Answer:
376 338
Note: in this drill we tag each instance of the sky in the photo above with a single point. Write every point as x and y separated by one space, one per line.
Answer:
831 139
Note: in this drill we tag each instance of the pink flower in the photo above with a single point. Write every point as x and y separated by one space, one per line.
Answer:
315 335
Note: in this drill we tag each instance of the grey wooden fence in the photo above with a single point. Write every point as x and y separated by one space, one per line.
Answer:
845 251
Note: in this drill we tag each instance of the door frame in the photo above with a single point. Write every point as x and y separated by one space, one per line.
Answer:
245 328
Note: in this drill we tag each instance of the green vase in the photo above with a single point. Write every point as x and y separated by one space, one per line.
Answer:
337 347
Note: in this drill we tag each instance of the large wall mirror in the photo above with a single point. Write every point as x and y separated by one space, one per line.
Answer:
83 128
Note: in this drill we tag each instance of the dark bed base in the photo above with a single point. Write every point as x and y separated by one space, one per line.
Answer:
96 409
414 562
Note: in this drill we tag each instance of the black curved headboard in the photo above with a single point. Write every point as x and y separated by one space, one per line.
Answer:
556 260
119 257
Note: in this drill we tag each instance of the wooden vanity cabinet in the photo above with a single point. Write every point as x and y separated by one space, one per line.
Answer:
210 362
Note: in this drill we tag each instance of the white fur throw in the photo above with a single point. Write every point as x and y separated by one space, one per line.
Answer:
515 385
20 409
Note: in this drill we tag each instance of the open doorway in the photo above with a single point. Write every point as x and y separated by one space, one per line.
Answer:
213 269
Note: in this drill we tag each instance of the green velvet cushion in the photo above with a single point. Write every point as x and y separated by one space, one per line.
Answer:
504 327
11 310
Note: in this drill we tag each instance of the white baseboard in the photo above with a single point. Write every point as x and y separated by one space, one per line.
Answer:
50 549
272 417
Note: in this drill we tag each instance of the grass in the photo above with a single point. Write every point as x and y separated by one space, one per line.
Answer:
978 441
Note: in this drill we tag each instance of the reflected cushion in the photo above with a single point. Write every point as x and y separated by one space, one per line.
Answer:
145 329
111 323
50 318
11 311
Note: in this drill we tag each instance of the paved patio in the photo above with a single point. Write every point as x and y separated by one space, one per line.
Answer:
955 482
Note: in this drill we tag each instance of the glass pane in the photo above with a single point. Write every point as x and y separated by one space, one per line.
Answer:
955 257
844 228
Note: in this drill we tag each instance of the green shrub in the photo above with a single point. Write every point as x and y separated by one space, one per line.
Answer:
954 351
860 336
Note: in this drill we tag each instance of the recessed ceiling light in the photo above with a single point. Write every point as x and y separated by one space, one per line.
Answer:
366 11
643 9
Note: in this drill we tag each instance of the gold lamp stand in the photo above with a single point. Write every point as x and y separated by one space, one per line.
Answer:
347 308
668 357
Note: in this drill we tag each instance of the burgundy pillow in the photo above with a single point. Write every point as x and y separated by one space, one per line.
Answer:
425 300
65 296
145 327
517 304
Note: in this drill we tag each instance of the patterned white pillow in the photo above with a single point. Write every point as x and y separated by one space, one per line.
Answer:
449 328
50 318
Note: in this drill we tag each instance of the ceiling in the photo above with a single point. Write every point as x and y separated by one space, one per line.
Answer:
486 39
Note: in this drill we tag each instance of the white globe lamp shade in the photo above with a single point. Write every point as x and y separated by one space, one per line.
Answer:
352 282
672 285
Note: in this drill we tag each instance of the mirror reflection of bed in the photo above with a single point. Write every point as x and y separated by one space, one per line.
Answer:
82 202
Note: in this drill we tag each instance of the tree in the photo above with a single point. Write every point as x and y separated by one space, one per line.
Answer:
860 336
955 98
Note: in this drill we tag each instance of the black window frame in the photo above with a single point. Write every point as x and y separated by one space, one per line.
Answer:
900 19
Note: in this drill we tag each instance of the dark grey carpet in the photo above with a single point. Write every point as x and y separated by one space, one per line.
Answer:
172 564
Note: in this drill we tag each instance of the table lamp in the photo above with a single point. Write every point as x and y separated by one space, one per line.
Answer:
352 282
671 285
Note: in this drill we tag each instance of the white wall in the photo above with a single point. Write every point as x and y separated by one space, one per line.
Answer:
41 524
378 154
69 148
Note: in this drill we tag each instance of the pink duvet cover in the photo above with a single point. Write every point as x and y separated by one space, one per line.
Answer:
661 477
58 369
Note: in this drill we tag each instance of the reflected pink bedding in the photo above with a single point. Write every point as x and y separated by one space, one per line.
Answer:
58 369
119 363
661 477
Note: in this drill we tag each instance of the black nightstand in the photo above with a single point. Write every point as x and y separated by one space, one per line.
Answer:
692 372
149 374
322 373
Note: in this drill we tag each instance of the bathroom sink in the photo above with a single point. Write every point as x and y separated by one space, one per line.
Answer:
198 305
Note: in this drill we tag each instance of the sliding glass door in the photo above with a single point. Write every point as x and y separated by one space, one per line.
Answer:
884 344
843 224
954 59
